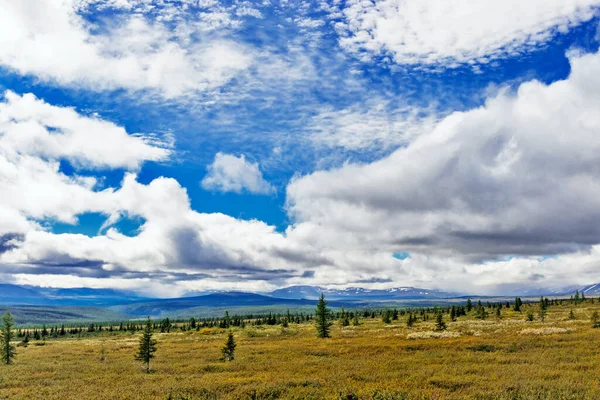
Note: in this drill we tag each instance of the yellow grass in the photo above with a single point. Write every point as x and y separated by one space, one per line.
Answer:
493 359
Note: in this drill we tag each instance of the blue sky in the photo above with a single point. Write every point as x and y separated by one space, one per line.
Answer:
313 127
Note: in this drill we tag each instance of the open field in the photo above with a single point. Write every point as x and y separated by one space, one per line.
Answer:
507 358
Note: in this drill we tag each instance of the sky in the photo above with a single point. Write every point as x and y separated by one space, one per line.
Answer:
181 146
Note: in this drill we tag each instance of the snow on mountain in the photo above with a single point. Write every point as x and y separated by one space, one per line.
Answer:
358 293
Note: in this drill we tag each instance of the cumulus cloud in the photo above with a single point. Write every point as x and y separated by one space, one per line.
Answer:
30 126
175 245
53 42
478 198
35 137
229 173
517 176
434 32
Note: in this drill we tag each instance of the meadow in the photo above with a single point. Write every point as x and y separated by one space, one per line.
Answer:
495 358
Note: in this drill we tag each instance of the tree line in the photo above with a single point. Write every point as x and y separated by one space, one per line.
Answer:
323 317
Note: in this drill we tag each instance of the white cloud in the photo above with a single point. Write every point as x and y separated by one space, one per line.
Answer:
441 32
34 137
518 176
51 41
174 246
229 173
375 126
29 126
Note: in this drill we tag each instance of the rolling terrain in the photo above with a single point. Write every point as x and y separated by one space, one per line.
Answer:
502 357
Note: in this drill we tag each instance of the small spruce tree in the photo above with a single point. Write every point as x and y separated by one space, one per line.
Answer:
518 304
228 348
410 321
344 318
595 320
440 325
469 305
571 314
529 316
8 350
543 310
387 317
322 318
147 345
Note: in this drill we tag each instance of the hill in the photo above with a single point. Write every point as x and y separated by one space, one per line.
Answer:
183 305
28 315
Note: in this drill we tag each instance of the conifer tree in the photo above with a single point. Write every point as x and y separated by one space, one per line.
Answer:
530 316
227 320
518 304
453 314
542 310
440 325
228 348
344 318
147 346
595 320
469 305
387 317
322 318
165 326
410 321
571 314
8 350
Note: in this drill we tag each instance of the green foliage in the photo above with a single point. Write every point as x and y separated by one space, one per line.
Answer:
228 349
165 326
440 325
323 318
518 304
147 346
571 314
480 312
469 305
387 317
543 309
7 353
529 316
595 320
344 318
410 321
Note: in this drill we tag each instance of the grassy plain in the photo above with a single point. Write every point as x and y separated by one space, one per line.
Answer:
507 358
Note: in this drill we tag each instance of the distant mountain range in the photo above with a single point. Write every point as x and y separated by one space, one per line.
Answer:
357 293
293 297
28 295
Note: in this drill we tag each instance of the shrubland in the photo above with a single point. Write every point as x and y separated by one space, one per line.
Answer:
482 353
